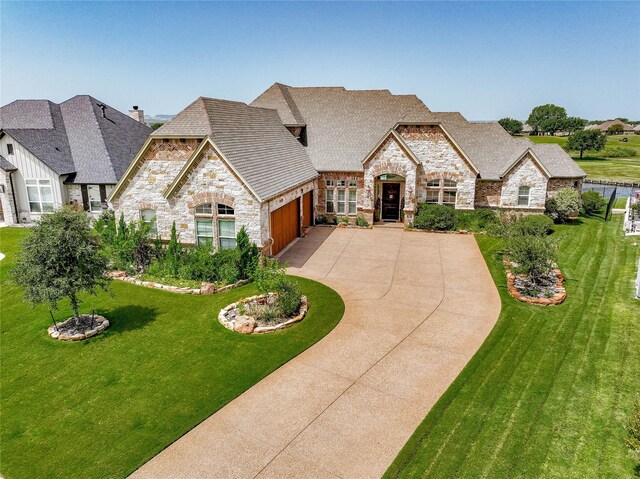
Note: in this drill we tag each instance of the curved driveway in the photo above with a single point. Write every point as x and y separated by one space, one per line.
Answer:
418 306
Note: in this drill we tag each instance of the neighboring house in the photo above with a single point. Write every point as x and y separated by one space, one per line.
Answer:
604 127
296 155
73 152
636 129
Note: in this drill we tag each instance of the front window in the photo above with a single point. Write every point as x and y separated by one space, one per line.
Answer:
224 209
352 202
341 201
204 209
40 195
329 202
227 234
442 192
95 203
341 183
523 196
329 183
148 217
204 232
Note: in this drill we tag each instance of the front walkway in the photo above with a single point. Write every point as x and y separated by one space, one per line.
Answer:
418 306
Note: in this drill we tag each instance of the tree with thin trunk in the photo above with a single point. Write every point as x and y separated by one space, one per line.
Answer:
60 258
584 140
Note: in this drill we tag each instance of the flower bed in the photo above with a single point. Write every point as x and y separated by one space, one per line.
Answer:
205 288
236 318
551 291
85 327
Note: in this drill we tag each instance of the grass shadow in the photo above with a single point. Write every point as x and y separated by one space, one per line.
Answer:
637 470
129 318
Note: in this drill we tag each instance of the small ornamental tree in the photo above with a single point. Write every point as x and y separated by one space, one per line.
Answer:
532 256
617 129
174 251
248 255
564 205
60 258
513 126
586 140
592 202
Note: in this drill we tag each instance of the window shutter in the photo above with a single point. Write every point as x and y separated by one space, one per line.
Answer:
103 194
85 197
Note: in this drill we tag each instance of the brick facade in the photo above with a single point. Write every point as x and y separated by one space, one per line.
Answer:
321 197
556 184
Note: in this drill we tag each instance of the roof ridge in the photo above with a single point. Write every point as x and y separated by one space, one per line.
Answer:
286 94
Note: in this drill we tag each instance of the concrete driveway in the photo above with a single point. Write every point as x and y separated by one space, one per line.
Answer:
418 306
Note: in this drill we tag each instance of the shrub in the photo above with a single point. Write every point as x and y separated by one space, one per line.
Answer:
480 219
531 255
360 221
269 276
289 299
564 205
342 219
198 263
532 225
321 220
174 251
435 217
247 255
592 202
618 152
224 266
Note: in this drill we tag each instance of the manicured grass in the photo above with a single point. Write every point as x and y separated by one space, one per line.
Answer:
621 202
548 392
597 167
103 407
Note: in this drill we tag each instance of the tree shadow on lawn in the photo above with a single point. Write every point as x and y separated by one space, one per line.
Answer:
129 318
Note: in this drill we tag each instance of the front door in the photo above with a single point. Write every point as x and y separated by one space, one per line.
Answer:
390 201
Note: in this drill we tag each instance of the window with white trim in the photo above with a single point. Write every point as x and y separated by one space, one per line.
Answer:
341 203
227 233
329 183
352 202
95 202
40 195
524 195
225 210
329 201
342 183
148 217
204 232
441 191
353 183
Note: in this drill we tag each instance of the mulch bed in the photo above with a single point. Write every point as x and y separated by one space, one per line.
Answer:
550 291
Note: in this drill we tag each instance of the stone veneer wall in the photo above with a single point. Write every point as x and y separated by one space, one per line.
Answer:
390 158
525 173
439 158
320 199
488 193
556 184
8 207
210 181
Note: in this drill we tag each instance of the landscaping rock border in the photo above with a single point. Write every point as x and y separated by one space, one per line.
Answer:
205 288
557 298
247 324
102 323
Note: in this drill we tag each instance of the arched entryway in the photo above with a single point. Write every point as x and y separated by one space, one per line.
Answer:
389 197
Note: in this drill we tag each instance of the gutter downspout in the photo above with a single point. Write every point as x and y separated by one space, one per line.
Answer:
13 193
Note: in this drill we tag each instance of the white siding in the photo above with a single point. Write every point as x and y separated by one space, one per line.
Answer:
30 167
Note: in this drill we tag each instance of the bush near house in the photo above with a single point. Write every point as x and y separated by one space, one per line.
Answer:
564 206
131 249
532 225
592 202
445 218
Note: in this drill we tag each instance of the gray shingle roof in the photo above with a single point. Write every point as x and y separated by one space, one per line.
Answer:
253 140
5 165
342 125
73 137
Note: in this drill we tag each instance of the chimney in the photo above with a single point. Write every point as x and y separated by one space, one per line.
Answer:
137 115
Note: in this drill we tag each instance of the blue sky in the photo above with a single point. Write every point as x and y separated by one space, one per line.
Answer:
486 60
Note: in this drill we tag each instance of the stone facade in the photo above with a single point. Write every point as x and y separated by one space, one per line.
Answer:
320 199
556 184
525 173
6 199
210 181
488 194
439 158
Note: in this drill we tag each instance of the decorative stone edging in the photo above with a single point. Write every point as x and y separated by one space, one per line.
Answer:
205 288
102 323
246 324
557 298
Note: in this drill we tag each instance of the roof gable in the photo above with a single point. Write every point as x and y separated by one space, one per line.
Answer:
392 135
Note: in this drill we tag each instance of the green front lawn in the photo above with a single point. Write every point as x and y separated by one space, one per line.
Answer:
597 167
548 392
103 407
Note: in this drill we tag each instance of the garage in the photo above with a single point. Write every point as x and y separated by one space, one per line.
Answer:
307 209
285 225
